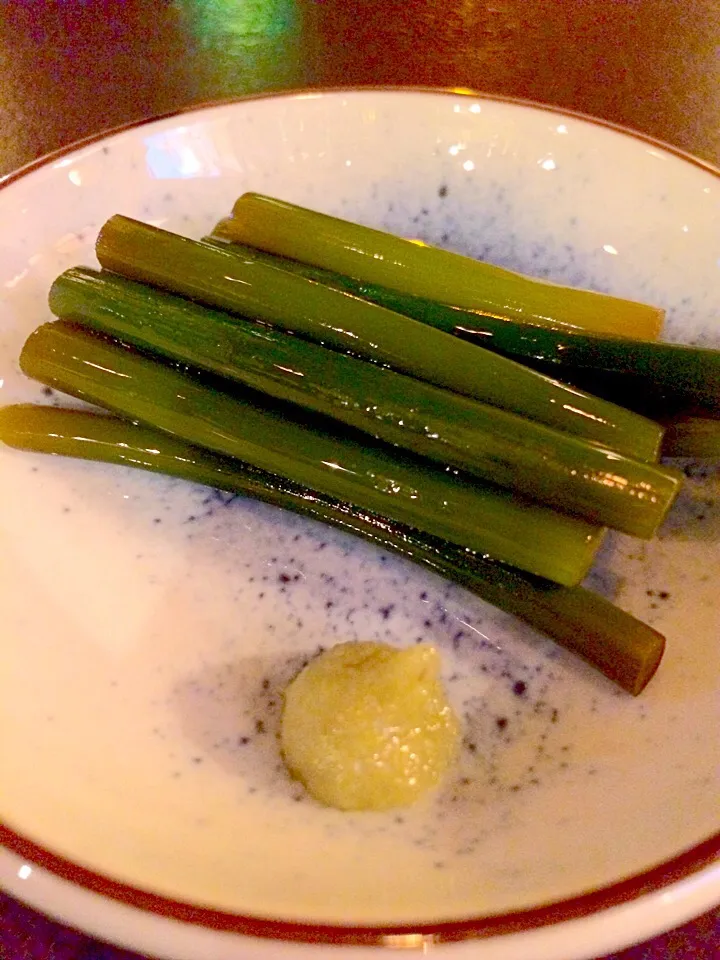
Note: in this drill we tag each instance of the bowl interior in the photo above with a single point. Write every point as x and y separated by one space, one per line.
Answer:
149 626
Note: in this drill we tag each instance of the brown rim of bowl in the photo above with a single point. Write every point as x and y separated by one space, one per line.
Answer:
585 904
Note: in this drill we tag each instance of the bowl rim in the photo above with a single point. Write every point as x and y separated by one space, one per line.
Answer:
655 878
291 93
681 867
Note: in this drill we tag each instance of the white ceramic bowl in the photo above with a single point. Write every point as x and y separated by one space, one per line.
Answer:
149 625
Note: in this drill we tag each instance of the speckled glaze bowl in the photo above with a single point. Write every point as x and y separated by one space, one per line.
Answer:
149 626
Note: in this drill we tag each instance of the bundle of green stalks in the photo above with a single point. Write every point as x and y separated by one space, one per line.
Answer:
325 367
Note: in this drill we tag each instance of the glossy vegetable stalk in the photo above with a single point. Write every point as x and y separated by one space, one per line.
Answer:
684 374
695 437
218 278
403 488
378 257
551 466
627 651
655 400
690 374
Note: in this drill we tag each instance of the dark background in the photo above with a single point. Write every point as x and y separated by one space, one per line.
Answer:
72 69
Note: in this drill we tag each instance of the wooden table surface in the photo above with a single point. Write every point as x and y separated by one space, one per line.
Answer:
72 69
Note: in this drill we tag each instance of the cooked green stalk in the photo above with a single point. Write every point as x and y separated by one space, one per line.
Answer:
571 474
692 374
379 257
219 278
624 649
658 401
687 375
692 437
404 488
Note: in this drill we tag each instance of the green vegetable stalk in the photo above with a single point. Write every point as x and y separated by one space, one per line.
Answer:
695 437
566 472
218 278
407 490
627 651
624 369
381 258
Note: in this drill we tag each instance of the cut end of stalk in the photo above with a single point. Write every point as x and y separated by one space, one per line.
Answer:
648 665
223 229
631 661
672 481
14 424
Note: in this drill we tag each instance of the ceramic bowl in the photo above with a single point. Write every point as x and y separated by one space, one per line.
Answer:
150 625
